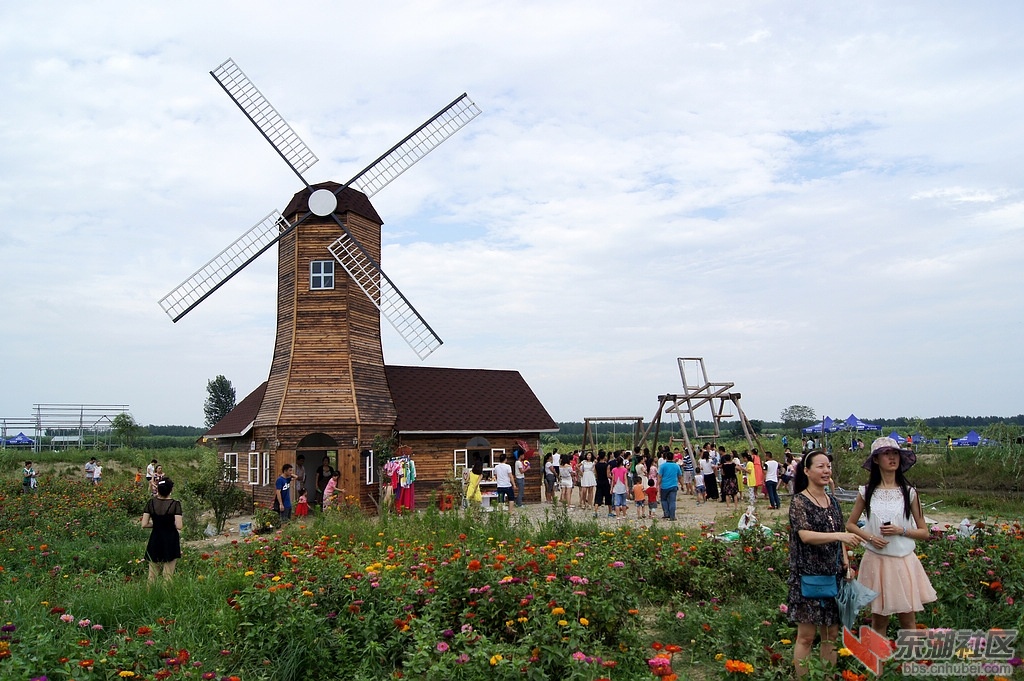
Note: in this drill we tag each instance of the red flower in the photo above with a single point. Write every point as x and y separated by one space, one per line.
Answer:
474 565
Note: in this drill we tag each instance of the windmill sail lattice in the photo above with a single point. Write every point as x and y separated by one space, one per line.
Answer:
224 265
353 256
415 146
367 274
264 116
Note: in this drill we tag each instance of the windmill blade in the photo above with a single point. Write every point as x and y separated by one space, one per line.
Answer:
379 288
225 265
415 146
265 117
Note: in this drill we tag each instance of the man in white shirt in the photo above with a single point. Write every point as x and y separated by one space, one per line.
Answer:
520 470
771 480
504 482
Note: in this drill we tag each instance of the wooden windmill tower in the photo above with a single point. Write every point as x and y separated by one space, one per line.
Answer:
327 391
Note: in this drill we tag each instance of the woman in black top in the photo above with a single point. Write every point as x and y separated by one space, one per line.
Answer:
730 485
603 493
163 514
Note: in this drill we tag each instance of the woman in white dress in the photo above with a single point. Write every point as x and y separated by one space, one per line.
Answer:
894 522
588 481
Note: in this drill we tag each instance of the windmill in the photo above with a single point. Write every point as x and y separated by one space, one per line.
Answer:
327 387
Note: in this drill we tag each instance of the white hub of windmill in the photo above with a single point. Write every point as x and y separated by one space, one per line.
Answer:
323 202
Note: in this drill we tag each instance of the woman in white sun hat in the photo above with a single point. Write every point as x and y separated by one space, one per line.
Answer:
894 523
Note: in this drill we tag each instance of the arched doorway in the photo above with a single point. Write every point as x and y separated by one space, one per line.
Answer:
316 447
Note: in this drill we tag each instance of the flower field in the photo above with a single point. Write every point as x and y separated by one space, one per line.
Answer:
435 596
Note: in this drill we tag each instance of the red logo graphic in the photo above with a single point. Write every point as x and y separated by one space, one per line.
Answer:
872 649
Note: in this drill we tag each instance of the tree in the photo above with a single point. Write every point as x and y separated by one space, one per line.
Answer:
126 429
797 416
219 401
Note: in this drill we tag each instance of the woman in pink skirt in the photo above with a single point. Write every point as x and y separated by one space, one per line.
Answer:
894 523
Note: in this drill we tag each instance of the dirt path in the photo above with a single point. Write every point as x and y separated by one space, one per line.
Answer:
721 517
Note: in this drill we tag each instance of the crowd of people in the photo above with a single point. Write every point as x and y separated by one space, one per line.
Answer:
611 481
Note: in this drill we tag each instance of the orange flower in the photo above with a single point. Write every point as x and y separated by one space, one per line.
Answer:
474 565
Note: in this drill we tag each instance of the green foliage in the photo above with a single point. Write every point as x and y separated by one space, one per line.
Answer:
215 485
432 595
219 401
126 430
797 416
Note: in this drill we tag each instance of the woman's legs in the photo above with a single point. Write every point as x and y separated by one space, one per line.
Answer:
165 569
805 633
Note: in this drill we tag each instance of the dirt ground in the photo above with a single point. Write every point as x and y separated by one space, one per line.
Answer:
688 515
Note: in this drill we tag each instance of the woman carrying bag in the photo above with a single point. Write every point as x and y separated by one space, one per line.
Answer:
816 557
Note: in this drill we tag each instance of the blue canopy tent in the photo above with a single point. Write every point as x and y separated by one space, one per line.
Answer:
19 439
827 425
972 439
896 436
854 423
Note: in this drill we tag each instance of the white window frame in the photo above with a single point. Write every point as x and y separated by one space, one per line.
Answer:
254 467
266 468
460 461
371 468
319 278
231 459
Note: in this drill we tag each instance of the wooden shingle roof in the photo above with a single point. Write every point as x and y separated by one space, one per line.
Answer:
442 400
435 400
348 200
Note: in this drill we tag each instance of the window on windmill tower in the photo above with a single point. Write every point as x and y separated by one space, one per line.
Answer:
321 275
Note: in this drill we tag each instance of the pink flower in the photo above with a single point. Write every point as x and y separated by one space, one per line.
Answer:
97 627
66 618
783 608
680 615
442 647
84 623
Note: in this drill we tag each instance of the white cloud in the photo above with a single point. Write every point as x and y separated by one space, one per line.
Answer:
813 198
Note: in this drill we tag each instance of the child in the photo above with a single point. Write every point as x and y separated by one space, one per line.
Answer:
302 509
97 474
701 493
331 489
652 497
639 498
138 477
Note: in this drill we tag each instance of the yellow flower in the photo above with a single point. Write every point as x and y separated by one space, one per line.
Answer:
557 611
523 620
785 641
276 578
719 657
845 652
249 573
584 621
562 623
495 659
126 674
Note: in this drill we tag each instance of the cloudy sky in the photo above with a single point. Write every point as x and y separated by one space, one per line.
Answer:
823 200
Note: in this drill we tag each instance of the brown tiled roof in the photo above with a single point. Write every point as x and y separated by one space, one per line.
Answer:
436 400
349 200
239 420
442 400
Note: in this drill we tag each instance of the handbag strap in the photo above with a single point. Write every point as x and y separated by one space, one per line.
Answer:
839 510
